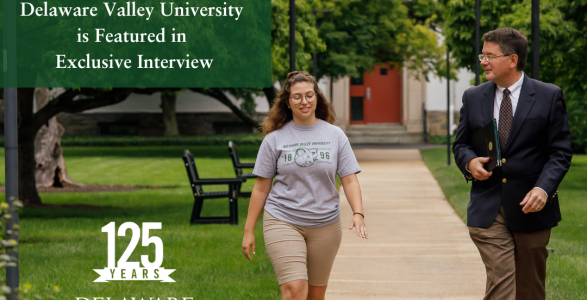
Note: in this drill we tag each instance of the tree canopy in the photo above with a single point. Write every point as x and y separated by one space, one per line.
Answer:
563 45
362 34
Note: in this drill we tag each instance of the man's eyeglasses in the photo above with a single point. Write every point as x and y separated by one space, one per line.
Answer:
297 98
489 58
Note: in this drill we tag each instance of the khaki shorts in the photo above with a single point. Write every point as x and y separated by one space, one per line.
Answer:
299 253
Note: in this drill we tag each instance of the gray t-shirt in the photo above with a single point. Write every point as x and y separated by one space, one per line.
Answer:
304 161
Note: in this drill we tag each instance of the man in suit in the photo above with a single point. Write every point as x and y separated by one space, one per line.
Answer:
513 208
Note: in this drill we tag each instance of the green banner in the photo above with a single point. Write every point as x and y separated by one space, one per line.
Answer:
147 43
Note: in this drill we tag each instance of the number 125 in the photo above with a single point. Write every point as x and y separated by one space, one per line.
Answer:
147 240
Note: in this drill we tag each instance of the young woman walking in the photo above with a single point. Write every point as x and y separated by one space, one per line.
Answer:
304 152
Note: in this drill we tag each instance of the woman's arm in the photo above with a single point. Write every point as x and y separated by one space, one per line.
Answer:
352 190
258 198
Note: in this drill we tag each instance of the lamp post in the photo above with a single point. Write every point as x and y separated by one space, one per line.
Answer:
292 35
535 39
448 105
10 133
477 38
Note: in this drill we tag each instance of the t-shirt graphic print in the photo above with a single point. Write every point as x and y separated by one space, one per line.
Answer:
305 157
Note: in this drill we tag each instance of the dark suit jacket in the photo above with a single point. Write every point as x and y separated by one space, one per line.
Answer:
537 154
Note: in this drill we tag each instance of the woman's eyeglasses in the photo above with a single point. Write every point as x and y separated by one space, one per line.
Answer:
297 98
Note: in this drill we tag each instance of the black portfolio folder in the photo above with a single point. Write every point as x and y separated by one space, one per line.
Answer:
486 144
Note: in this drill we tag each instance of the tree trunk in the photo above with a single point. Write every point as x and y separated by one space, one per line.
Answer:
27 189
29 124
270 94
50 169
168 99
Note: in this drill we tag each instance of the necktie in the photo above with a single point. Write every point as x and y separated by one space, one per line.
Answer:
506 117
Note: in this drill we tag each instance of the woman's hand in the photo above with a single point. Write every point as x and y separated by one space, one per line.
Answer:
248 243
359 223
258 197
352 190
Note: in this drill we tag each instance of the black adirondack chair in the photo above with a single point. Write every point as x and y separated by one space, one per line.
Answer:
200 195
238 167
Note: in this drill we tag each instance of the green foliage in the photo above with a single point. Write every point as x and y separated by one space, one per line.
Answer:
307 40
563 45
577 109
566 269
356 36
361 34
10 245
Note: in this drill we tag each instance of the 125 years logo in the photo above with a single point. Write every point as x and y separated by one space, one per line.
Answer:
132 270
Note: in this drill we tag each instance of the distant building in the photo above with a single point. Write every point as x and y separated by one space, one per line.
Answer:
384 106
393 106
197 114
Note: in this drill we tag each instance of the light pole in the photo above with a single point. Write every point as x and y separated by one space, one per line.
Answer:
448 105
292 35
10 133
477 38
535 39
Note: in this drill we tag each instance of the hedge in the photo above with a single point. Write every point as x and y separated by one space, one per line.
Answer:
123 141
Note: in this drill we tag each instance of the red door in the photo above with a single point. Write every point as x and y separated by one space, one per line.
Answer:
376 97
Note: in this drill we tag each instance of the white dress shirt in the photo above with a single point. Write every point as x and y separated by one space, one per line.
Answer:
515 90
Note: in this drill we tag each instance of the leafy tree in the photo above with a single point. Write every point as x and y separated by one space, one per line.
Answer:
30 122
75 101
356 36
361 34
307 40
563 45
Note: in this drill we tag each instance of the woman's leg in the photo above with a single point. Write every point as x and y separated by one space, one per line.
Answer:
286 248
294 290
322 244
316 292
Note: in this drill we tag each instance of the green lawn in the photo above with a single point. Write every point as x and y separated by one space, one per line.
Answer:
62 246
567 267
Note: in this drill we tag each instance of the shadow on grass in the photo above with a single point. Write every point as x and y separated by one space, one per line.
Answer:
140 206
245 151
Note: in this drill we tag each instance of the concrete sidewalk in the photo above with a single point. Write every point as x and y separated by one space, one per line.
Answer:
418 248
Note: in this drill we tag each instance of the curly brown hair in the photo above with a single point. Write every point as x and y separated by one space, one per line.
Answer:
280 114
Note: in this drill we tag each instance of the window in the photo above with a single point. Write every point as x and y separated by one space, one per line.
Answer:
356 108
383 71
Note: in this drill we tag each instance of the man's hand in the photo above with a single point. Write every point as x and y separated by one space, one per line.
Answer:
475 166
534 201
